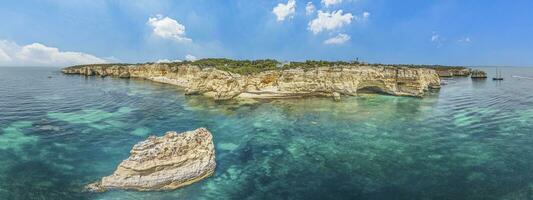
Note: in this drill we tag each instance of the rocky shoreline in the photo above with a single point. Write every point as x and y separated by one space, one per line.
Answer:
332 81
461 72
163 163
453 71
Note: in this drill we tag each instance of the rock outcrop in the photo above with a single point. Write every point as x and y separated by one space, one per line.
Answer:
282 83
451 72
478 74
336 96
163 163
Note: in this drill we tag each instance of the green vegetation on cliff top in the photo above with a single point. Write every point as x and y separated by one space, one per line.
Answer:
256 66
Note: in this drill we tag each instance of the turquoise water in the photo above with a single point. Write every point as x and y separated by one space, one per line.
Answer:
471 140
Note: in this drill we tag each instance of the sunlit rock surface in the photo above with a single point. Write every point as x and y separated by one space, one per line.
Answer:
450 72
163 163
286 83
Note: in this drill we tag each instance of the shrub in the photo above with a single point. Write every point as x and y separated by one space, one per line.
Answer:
246 67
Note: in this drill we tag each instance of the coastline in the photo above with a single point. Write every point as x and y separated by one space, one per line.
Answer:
302 81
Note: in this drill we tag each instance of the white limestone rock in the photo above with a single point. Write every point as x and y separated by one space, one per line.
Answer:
163 163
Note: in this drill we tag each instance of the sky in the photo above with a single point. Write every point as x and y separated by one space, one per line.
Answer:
446 32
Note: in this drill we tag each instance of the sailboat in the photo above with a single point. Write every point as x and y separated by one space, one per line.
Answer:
498 76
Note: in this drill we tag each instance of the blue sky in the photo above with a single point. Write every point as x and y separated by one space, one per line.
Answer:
450 32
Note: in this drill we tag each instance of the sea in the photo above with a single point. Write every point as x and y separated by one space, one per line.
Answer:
473 139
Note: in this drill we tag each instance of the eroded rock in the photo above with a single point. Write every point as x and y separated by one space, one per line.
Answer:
336 96
283 83
451 72
163 163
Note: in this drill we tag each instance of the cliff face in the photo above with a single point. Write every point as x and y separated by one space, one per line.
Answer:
326 81
163 163
451 72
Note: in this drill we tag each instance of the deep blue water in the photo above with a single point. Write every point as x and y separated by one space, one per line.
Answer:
471 140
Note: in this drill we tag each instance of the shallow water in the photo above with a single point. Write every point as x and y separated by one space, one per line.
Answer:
471 140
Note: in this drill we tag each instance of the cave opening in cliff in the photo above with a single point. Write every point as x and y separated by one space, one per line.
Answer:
371 90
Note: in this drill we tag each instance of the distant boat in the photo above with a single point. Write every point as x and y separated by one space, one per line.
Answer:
498 76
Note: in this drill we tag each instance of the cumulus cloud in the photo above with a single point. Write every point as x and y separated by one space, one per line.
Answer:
168 28
339 39
36 54
4 57
329 21
309 8
328 3
8 50
283 11
190 57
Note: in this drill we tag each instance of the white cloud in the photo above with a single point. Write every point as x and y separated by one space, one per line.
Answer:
167 61
339 39
37 54
328 3
437 39
190 57
4 57
364 16
6 48
168 28
329 21
309 8
462 40
283 11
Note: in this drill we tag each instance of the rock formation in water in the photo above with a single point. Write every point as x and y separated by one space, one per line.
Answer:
163 163
280 83
478 74
453 71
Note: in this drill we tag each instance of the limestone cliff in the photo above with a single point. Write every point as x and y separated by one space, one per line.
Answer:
280 83
451 71
164 163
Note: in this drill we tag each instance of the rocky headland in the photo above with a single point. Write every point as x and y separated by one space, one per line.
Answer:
223 81
163 163
453 71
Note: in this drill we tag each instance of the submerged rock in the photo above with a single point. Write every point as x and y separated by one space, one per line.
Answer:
478 74
163 163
